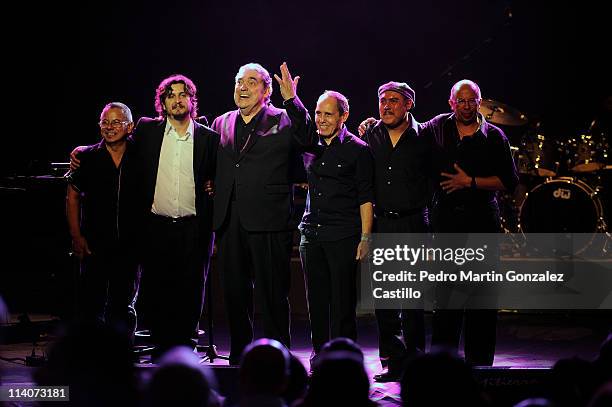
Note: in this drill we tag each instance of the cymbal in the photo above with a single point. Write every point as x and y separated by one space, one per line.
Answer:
500 113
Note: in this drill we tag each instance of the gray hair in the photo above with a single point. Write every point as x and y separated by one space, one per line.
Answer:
265 75
118 105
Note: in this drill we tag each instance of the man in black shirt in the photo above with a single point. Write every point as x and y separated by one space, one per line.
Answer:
337 221
474 160
402 159
100 212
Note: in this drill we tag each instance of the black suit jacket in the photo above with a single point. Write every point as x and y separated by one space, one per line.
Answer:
261 172
148 137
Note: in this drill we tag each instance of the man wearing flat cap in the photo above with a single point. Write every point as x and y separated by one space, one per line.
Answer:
402 159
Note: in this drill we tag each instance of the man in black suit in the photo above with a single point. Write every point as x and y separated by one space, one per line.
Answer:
176 158
253 201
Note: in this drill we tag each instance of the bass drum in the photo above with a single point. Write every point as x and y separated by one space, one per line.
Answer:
561 205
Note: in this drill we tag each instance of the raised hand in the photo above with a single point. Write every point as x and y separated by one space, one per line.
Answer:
288 85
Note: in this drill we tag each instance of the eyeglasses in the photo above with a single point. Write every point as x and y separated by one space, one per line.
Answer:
471 102
115 124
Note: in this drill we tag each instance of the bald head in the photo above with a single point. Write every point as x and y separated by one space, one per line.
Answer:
462 84
464 101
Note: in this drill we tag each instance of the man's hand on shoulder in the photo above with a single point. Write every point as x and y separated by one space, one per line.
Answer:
74 157
365 125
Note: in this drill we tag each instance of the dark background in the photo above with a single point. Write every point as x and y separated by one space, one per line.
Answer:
67 60
547 59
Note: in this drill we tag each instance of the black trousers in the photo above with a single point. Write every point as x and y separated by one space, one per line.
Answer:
401 333
260 260
479 326
330 271
175 267
479 331
109 287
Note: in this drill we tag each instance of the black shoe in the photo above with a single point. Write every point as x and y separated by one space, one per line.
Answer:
387 376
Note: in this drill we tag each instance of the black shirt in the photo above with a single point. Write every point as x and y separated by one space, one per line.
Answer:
486 153
107 196
402 174
339 182
244 130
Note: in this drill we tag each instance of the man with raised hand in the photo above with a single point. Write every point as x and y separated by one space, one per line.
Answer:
253 201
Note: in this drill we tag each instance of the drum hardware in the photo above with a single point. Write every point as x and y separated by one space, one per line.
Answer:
587 153
500 113
509 203
564 186
538 156
606 243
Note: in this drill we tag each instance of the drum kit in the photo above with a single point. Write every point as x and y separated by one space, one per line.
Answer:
564 183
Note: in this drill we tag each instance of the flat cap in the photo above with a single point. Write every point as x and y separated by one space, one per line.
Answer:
400 87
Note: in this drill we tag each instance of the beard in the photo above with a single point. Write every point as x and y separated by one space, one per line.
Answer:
181 116
179 112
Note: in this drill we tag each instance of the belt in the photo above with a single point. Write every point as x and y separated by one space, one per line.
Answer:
398 214
171 220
